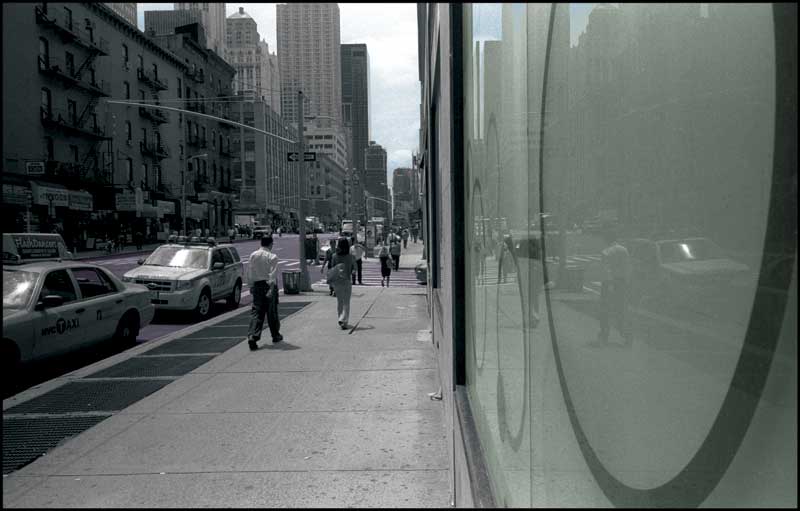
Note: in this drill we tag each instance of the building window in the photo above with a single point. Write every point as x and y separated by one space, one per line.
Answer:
157 175
44 53
144 174
68 17
73 150
72 111
144 135
70 62
128 131
141 95
92 76
180 87
213 139
140 62
90 30
155 71
127 87
46 106
125 55
158 140
129 170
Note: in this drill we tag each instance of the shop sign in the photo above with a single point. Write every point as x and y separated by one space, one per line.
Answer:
80 200
17 195
165 207
35 168
126 201
48 196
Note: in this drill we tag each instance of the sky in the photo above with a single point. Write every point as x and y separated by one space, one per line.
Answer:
390 33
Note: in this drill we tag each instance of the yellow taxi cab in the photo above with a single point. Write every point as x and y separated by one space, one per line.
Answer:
53 305
191 275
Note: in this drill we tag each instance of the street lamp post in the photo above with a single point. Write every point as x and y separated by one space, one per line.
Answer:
183 188
304 279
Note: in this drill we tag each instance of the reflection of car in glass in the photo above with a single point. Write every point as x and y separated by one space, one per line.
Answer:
421 271
680 268
260 231
191 276
54 307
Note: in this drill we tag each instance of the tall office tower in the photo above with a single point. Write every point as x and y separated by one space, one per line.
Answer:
375 185
257 70
162 23
213 21
403 195
355 110
125 9
308 45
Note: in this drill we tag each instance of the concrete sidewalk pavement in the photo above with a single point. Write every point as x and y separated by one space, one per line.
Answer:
328 418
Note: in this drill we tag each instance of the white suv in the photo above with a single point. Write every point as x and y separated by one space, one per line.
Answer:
190 276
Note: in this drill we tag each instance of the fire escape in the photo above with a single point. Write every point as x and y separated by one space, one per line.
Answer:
97 164
156 149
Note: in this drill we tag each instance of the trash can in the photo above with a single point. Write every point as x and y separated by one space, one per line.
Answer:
291 282
572 278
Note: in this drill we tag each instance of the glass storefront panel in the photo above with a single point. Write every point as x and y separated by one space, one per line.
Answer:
619 175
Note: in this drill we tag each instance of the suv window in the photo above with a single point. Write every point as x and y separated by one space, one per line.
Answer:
92 282
58 283
235 254
226 256
216 257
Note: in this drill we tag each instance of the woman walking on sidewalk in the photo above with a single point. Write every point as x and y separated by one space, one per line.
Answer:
343 264
386 268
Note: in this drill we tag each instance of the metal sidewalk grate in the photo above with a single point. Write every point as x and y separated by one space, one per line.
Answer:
185 345
90 396
26 439
143 367
284 310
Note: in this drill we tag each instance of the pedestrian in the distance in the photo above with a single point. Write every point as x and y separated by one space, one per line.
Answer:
339 276
280 232
614 290
262 274
394 250
404 235
357 250
386 267
328 264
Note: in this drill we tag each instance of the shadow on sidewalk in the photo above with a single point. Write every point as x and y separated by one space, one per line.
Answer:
282 346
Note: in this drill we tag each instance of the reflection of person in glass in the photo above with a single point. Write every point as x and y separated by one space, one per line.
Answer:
613 295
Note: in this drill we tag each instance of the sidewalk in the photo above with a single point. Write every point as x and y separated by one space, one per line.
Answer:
328 418
132 250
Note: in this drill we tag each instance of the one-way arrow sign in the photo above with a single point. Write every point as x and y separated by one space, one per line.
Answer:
307 156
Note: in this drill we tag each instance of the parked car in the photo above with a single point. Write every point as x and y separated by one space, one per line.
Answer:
52 307
191 276
680 269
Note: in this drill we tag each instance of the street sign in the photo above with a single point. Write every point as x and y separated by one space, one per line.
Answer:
307 156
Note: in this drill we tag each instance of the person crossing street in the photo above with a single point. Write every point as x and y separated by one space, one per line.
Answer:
262 273
357 251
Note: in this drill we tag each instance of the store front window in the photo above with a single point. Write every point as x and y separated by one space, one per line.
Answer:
619 173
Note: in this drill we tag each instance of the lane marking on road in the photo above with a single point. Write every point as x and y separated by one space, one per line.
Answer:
292 264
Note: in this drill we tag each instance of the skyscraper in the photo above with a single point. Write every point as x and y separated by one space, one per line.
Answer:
375 185
213 21
125 9
256 68
355 110
308 45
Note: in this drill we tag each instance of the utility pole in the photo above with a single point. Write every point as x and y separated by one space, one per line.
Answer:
304 280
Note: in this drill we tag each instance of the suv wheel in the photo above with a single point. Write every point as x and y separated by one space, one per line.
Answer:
236 295
203 309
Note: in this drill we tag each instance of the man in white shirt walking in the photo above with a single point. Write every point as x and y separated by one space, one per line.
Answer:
357 251
262 274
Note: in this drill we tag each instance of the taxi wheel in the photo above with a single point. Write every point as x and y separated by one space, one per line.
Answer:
203 309
236 296
11 359
127 330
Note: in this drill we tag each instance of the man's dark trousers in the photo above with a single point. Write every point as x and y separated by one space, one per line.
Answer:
396 259
265 303
358 268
